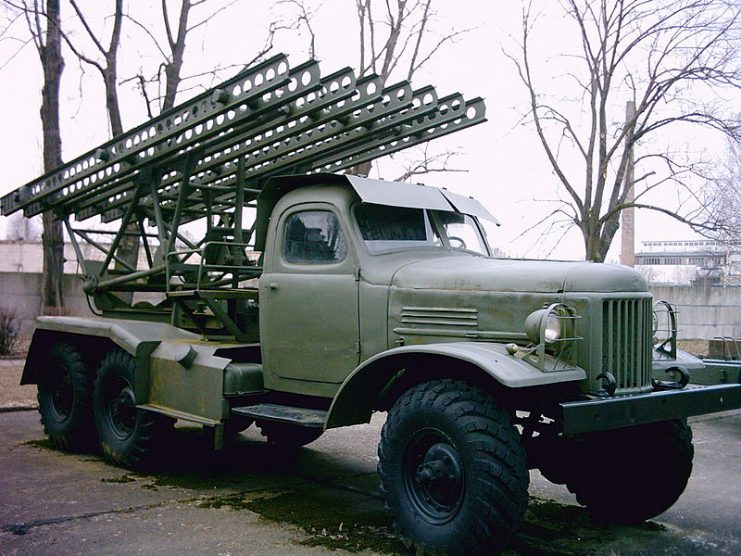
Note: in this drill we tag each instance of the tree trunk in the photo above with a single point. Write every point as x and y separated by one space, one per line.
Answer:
52 237
128 249
177 45
597 239
592 247
111 100
52 278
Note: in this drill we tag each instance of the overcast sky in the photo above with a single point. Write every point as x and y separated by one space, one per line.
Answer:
506 167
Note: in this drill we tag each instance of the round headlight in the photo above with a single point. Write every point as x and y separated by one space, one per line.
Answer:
552 328
545 322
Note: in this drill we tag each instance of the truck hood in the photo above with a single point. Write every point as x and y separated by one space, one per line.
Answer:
481 274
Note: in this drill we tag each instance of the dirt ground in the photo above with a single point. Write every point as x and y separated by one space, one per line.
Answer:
12 395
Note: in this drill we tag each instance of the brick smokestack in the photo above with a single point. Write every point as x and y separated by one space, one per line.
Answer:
627 216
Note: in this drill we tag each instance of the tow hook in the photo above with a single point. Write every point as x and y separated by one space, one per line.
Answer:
609 384
684 378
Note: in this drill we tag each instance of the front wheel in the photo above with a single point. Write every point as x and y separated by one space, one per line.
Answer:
633 474
129 437
453 471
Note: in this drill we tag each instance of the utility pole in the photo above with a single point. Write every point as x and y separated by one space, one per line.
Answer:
627 216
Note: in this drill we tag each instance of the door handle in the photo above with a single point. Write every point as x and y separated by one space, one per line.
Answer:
273 285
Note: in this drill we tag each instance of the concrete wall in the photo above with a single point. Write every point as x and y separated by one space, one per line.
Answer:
27 256
704 312
20 291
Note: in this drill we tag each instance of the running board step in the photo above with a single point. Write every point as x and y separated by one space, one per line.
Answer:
314 418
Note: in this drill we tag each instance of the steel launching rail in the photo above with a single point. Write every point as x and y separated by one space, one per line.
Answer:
271 118
207 159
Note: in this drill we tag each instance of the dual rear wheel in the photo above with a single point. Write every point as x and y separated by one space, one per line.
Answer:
65 392
80 407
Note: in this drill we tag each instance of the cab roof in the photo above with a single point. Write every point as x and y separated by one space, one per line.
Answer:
379 192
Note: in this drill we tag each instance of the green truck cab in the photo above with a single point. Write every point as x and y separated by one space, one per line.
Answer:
348 296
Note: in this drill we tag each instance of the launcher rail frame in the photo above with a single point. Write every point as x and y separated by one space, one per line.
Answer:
207 159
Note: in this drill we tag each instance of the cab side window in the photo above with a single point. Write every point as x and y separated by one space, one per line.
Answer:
314 237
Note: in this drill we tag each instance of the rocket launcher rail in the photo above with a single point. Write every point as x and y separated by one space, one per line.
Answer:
207 159
275 118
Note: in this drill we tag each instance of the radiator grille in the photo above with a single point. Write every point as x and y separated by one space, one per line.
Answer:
626 336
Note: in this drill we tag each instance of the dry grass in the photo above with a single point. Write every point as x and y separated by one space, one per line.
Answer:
20 349
695 347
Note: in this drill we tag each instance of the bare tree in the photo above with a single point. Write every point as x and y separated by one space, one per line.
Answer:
722 199
399 37
44 24
50 54
176 42
425 162
105 61
297 19
168 77
673 60
108 66
396 39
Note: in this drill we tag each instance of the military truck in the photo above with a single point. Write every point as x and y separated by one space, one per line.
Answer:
720 365
316 298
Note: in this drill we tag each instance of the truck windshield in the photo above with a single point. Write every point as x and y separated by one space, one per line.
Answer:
386 228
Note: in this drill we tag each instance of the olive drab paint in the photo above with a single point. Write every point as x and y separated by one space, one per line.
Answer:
316 298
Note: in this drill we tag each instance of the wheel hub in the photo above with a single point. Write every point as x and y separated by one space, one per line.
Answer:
62 395
434 477
122 411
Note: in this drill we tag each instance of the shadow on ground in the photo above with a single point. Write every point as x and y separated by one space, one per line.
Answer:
336 502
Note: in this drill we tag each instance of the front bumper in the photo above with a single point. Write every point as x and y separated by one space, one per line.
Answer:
613 413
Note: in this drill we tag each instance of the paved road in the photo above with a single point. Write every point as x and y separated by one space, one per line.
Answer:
251 500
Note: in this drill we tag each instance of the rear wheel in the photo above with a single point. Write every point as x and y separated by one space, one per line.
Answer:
65 399
633 474
129 437
453 472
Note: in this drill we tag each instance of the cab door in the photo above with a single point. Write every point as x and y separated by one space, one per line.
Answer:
309 298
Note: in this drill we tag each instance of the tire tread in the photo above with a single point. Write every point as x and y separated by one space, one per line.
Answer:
77 433
499 461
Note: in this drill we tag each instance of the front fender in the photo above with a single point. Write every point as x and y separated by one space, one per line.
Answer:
357 396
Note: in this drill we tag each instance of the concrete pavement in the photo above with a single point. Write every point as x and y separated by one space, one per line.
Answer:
324 499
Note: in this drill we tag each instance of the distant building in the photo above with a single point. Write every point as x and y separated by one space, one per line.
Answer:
696 261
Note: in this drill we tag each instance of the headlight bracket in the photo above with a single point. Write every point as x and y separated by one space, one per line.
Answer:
552 330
